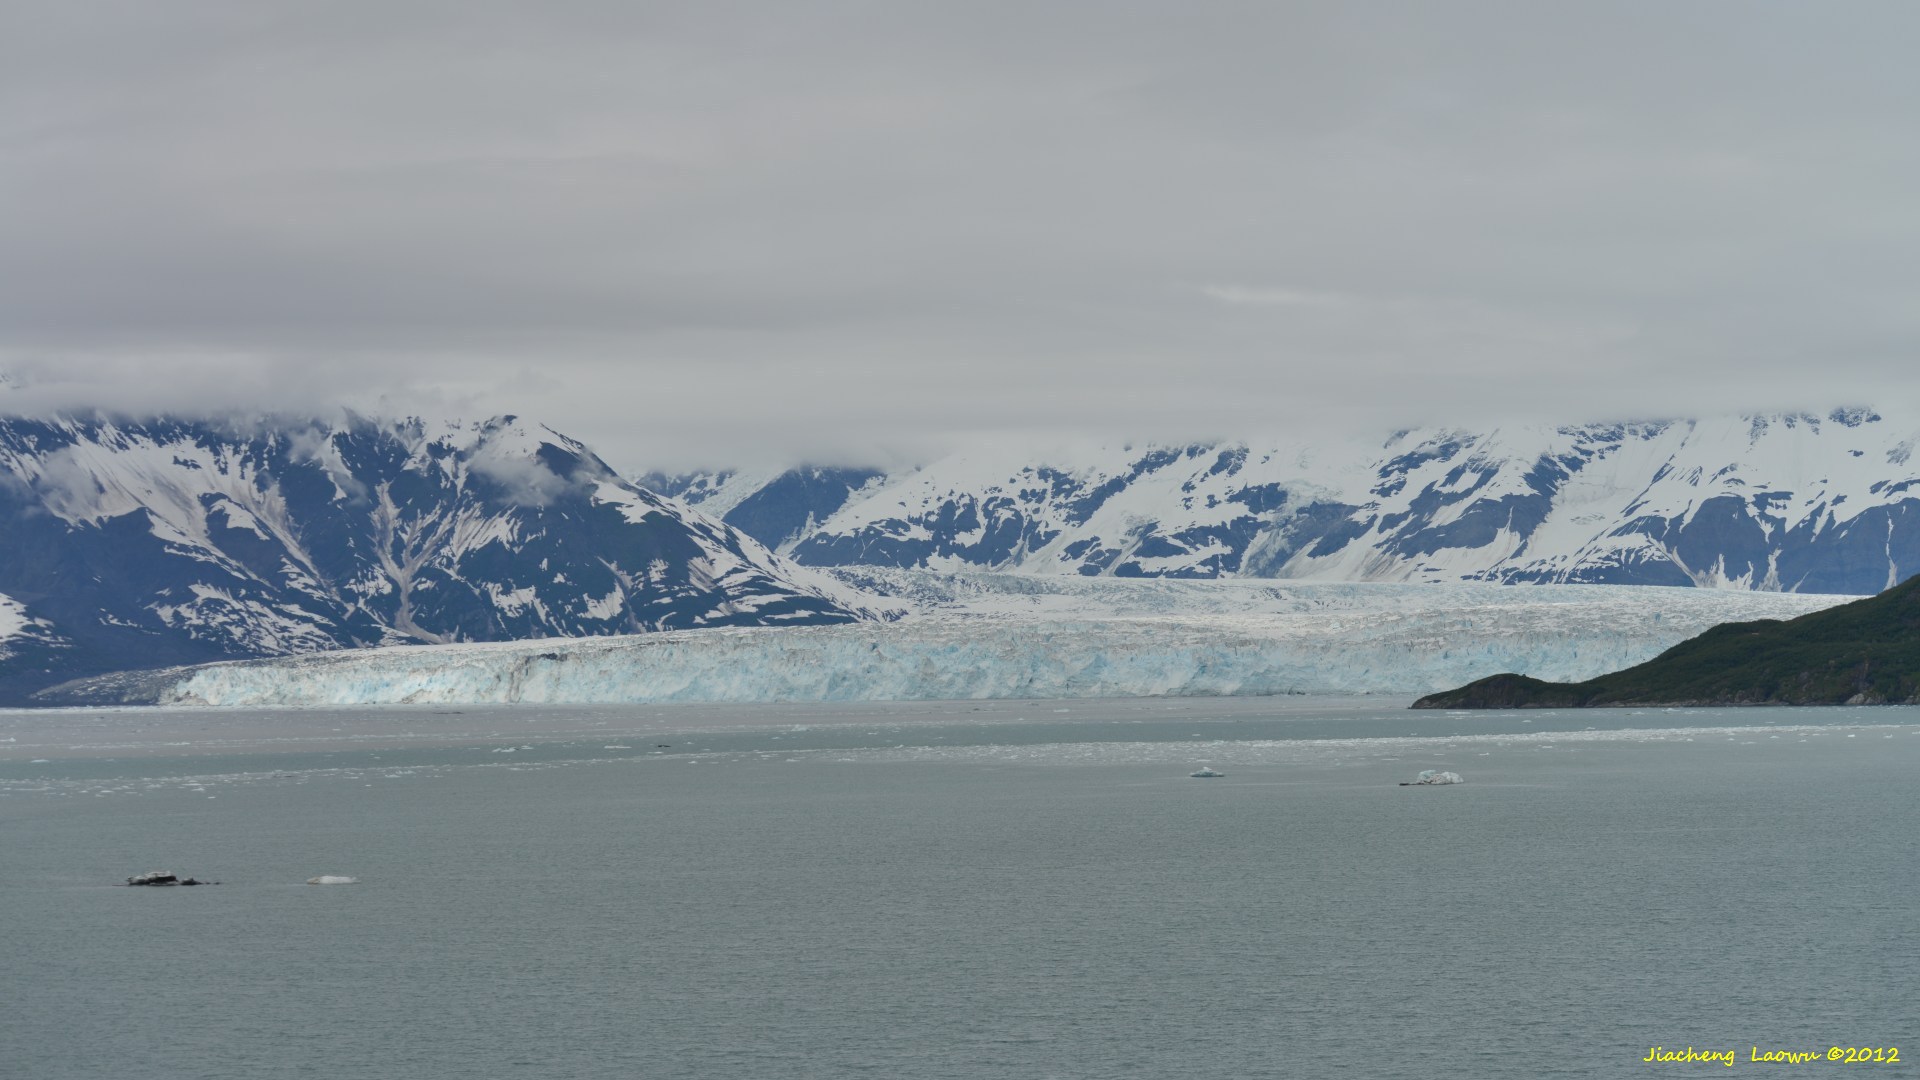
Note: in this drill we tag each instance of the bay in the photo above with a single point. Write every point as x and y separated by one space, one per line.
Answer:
965 890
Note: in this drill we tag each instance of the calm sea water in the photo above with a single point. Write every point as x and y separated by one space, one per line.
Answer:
1007 890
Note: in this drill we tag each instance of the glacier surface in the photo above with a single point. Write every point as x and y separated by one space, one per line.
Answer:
985 635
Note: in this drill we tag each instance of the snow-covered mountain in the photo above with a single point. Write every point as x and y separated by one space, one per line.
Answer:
132 544
139 544
1795 503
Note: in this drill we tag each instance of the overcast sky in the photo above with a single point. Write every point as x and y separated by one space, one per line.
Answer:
779 229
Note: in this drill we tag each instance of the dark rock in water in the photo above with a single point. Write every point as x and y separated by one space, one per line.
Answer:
162 877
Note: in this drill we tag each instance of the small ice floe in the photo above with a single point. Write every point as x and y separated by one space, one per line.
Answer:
1205 773
333 879
1431 777
163 877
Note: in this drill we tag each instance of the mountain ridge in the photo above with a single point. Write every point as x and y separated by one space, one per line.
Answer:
145 542
1782 502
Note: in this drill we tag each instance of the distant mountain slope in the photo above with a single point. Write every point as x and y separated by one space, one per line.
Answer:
774 508
1793 502
1863 653
142 543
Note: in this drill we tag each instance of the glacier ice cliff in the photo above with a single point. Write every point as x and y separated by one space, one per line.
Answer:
1014 636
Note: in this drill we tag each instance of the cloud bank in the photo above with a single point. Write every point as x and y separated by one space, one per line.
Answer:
764 231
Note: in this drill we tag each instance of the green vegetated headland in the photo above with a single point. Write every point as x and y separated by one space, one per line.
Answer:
1863 653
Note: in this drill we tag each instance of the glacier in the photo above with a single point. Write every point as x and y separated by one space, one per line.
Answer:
982 635
144 542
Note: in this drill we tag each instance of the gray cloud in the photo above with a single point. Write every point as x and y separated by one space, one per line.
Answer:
761 231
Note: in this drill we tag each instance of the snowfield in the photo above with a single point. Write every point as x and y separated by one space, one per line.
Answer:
983 635
13 619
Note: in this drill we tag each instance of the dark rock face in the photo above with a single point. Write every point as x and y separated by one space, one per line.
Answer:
140 544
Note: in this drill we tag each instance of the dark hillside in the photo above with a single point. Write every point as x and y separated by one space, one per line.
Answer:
1863 653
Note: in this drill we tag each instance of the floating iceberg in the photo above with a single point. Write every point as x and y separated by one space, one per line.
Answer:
333 879
1434 776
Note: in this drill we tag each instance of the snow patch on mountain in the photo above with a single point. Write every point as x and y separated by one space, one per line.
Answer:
13 618
719 493
23 637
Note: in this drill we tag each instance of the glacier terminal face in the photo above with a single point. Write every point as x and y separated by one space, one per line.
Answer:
976 635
